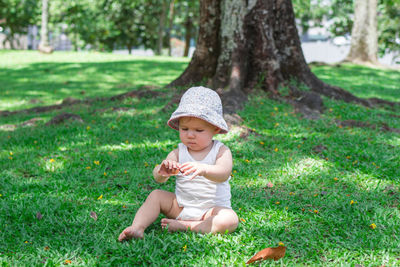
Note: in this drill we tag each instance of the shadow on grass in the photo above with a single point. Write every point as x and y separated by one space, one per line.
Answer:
47 82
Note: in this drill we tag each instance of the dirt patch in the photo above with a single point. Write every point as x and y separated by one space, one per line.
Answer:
13 127
113 109
246 131
67 102
319 149
176 98
361 124
137 94
64 117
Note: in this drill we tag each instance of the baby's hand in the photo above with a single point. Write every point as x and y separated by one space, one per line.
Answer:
193 168
169 168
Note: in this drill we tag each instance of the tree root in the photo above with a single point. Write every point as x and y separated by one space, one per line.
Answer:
72 101
361 124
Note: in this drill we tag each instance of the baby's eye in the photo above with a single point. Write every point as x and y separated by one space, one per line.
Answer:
199 131
184 129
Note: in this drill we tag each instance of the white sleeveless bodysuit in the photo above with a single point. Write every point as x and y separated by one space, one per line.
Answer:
199 195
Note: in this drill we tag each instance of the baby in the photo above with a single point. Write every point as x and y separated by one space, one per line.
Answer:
202 167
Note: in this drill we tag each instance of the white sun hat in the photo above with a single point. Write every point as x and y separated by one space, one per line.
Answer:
203 103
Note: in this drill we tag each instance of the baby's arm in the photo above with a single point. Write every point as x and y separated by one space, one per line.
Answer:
219 172
168 167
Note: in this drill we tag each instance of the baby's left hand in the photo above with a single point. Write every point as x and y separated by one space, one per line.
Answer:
193 168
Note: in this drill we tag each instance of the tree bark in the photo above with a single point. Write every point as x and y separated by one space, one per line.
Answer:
44 46
188 35
364 34
253 44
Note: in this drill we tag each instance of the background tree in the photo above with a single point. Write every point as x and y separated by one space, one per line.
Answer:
341 15
84 23
364 34
131 24
44 46
109 25
182 23
310 13
161 26
389 28
338 16
170 25
191 18
15 16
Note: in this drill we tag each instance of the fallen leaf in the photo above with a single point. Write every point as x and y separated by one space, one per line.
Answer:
39 216
268 253
270 185
93 215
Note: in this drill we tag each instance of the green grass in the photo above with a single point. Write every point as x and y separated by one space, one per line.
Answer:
29 79
45 169
363 81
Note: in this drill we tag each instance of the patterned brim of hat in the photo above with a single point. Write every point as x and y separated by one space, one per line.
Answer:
203 103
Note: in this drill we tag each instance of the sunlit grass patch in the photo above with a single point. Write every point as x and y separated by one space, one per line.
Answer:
362 81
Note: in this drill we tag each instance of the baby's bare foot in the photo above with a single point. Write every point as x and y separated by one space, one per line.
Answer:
130 233
175 225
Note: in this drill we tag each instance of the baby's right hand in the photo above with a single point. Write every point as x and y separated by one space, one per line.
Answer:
169 168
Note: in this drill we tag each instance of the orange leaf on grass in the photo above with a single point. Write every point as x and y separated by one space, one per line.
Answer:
268 253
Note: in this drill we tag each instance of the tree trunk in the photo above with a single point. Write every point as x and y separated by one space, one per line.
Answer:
44 46
171 24
204 60
10 39
247 44
161 26
188 35
364 35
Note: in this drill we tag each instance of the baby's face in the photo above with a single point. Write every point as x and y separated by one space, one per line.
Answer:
196 133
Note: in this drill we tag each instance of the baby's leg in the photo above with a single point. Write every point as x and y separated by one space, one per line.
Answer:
157 201
217 220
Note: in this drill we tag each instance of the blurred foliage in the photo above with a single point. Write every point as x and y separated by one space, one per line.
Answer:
310 13
113 24
389 26
342 15
338 16
15 15
101 24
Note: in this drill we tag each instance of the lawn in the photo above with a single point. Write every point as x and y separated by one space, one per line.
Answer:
329 193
